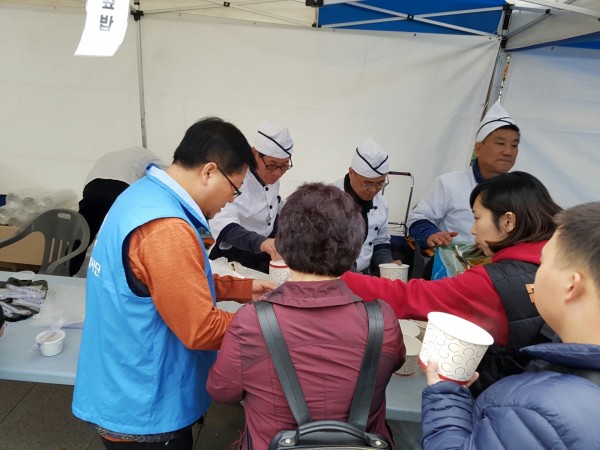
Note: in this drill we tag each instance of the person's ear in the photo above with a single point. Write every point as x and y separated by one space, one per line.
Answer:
508 221
477 148
207 172
575 287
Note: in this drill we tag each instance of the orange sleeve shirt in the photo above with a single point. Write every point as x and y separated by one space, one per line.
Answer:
165 255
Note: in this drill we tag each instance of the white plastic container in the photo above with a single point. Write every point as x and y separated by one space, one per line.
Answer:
52 345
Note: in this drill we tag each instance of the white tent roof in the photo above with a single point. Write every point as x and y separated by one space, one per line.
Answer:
532 22
543 22
283 12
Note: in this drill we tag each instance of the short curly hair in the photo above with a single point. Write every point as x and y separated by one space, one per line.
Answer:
320 230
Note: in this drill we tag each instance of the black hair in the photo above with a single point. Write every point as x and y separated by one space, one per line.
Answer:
578 238
211 139
527 198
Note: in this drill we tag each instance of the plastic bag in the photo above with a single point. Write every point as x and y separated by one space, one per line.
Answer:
448 263
67 307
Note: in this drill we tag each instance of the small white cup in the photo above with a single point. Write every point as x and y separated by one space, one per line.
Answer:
457 344
411 364
53 345
393 271
409 327
278 272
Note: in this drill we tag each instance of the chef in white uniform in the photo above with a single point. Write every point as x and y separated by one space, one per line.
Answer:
366 178
444 214
244 229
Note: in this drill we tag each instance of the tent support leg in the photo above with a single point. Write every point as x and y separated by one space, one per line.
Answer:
138 33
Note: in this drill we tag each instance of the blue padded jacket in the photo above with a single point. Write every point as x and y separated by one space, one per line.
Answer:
533 410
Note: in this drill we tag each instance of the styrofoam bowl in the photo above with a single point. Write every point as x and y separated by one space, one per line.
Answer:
54 345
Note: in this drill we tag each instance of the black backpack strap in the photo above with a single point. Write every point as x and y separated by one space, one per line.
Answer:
363 393
282 361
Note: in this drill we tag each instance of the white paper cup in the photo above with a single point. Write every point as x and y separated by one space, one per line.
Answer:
53 345
278 272
411 364
393 271
409 327
457 344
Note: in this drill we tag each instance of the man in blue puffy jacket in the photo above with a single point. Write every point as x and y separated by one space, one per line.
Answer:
556 407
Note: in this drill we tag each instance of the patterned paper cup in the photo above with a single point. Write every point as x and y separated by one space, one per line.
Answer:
413 347
278 272
393 271
457 344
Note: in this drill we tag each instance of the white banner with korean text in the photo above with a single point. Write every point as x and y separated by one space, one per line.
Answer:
105 27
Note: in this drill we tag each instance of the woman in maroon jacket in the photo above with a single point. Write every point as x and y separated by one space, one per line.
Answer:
513 220
320 233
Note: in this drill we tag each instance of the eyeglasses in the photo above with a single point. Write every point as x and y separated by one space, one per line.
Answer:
236 191
274 167
378 186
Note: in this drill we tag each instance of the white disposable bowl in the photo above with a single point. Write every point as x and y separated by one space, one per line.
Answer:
411 364
393 271
409 327
457 344
53 345
278 272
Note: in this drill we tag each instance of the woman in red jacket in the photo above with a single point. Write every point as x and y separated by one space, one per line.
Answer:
513 220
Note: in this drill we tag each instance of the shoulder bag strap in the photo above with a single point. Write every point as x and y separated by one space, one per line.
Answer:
363 392
282 361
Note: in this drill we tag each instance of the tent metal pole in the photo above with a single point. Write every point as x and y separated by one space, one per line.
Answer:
138 33
544 15
566 6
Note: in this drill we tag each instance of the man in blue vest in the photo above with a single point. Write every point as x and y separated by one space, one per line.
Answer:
152 328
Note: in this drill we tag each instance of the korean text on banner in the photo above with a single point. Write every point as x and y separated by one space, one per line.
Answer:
105 27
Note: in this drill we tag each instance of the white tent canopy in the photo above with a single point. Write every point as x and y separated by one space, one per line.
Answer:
543 22
419 95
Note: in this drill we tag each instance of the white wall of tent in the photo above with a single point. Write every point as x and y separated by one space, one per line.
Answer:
420 95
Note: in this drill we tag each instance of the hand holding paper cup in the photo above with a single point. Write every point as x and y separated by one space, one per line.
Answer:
393 271
278 272
457 344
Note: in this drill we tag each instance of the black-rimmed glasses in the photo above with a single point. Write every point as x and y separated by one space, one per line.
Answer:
236 191
274 167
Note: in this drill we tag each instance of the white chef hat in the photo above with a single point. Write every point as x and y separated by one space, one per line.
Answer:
495 118
273 141
370 160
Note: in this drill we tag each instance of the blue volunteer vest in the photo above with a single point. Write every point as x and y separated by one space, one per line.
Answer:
134 375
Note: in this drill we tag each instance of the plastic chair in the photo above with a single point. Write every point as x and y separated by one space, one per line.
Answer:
66 235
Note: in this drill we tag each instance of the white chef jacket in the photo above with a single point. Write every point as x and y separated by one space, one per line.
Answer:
378 228
255 210
127 165
446 204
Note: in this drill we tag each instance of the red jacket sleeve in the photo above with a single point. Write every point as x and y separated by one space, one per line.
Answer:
470 295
